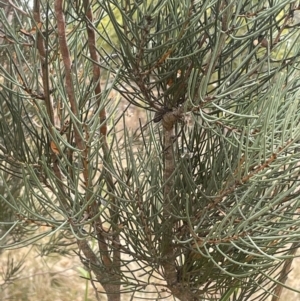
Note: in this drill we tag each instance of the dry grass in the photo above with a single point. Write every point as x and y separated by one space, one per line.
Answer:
49 279
58 278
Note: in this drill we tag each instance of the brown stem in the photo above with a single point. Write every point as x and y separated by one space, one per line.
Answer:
167 249
66 58
111 265
168 253
44 65
96 68
47 98
102 275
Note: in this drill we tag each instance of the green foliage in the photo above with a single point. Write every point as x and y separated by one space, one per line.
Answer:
205 194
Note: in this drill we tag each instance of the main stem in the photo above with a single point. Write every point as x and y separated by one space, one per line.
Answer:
168 251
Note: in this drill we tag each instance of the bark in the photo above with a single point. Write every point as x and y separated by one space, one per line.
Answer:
168 251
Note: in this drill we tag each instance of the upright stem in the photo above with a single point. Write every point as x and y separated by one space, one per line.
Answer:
168 251
111 277
47 97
